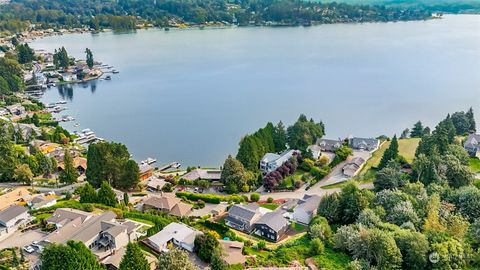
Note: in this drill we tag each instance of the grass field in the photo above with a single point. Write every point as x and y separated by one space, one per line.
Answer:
475 165
406 148
271 206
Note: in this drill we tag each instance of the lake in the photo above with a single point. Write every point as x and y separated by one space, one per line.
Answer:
190 95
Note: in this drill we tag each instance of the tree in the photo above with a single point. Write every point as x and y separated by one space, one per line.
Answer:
319 228
233 175
106 195
343 152
88 194
280 137
389 177
368 218
175 259
390 154
72 256
317 247
61 58
126 200
448 254
217 262
23 174
352 201
206 245
471 120
134 259
69 173
404 134
329 208
25 54
130 176
8 159
417 130
304 133
254 197
89 58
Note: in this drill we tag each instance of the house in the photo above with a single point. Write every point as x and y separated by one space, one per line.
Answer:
242 217
16 109
62 216
15 196
13 217
316 150
167 203
472 145
178 234
197 174
98 232
113 261
28 131
328 145
271 226
366 144
155 184
42 202
306 209
270 161
353 166
79 163
232 252
146 171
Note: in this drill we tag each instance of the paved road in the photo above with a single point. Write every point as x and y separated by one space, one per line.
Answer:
298 194
59 190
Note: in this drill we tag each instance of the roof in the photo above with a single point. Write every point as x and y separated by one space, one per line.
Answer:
178 231
246 212
232 252
162 202
274 220
181 209
329 145
473 141
278 159
40 201
17 194
64 215
269 157
357 161
359 142
203 174
143 168
12 212
77 162
154 182
309 203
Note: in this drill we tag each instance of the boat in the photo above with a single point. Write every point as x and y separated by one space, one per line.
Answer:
108 78
115 71
148 161
76 125
176 165
62 102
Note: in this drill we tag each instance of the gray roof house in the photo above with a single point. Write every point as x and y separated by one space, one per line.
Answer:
196 174
13 217
353 166
16 109
270 161
472 145
242 217
271 226
329 145
368 144
306 209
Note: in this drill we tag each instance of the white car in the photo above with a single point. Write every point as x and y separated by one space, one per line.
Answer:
29 249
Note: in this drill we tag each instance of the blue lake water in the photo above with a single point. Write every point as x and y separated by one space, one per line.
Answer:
190 95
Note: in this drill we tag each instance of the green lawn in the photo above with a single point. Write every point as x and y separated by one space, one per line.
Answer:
299 227
271 206
342 184
475 165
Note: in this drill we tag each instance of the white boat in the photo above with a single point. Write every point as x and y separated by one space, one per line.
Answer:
148 161
62 102
176 165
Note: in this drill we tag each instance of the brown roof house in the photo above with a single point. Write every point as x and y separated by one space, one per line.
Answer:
167 203
197 174
232 252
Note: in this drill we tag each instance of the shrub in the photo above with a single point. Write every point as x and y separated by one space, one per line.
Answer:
307 164
317 247
269 199
254 197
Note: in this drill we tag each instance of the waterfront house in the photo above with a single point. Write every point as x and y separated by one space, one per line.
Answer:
270 161
353 166
316 150
12 217
167 203
232 252
472 145
79 163
242 217
271 226
146 171
327 145
366 144
28 131
177 234
306 209
16 110
204 174
155 184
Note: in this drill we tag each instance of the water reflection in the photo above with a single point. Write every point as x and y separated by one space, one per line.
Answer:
65 91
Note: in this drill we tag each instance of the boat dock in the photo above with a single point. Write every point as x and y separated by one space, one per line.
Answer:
174 165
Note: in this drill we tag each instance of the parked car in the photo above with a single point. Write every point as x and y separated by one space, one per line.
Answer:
29 249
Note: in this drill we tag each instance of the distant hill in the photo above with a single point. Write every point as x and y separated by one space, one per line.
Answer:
453 6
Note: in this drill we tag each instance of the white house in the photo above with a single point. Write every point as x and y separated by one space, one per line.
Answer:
270 161
306 209
13 217
179 234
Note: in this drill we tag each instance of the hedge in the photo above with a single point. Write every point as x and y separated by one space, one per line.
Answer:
209 198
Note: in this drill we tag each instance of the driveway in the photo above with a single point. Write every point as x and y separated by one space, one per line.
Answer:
19 239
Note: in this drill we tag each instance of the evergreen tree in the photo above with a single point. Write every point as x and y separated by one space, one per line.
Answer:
88 194
130 177
72 256
134 259
205 246
471 120
217 262
61 58
233 175
417 130
248 153
89 57
25 54
126 200
304 133
390 154
69 173
175 259
106 195
280 137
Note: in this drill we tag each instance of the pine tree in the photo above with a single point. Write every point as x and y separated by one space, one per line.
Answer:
471 120
280 137
390 154
126 201
134 259
69 173
417 130
88 194
89 58
106 195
